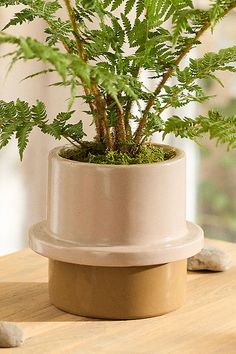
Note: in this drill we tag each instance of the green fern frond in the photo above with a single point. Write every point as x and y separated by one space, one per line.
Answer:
17 119
154 124
162 10
64 64
7 3
7 134
211 62
126 23
7 126
60 128
38 8
175 96
106 3
58 30
219 127
187 22
41 72
140 6
129 5
187 90
217 10
183 128
74 131
25 15
57 127
39 114
22 135
116 4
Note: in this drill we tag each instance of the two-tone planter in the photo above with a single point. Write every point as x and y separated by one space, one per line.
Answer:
116 237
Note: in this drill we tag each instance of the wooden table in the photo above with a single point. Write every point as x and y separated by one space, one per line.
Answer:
206 324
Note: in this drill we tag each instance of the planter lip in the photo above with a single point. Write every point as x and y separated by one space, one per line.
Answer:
54 154
117 256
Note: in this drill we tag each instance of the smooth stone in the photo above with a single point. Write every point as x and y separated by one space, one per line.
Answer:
210 258
10 335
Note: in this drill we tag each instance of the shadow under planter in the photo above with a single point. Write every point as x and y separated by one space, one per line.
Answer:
116 237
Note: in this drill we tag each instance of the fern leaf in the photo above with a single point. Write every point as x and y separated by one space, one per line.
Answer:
74 131
39 114
128 6
26 15
22 135
116 4
154 124
6 134
202 68
7 3
106 3
119 33
211 62
62 63
19 118
126 23
60 128
7 109
217 10
219 127
23 110
140 6
37 74
38 8
184 128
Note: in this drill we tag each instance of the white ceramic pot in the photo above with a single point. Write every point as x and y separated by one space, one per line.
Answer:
114 216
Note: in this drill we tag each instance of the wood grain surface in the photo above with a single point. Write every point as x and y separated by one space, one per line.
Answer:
206 324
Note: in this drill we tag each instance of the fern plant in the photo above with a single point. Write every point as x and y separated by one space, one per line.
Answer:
131 37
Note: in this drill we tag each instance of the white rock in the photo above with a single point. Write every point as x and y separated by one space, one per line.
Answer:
210 258
10 335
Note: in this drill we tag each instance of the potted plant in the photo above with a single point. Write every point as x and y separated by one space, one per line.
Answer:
116 234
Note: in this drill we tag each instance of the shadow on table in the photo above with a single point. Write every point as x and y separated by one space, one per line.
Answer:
29 302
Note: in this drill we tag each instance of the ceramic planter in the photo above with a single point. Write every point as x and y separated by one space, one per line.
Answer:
116 237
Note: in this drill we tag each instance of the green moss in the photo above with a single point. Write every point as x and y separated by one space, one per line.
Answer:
96 153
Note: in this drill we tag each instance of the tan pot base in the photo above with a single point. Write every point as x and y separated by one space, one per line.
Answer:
117 292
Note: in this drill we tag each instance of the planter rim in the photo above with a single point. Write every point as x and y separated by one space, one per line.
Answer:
117 256
54 153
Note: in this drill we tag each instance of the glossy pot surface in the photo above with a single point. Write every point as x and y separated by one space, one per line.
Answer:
114 205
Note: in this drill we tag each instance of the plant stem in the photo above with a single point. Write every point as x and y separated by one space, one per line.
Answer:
70 141
102 128
136 74
138 133
121 135
128 109
127 119
101 109
79 43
